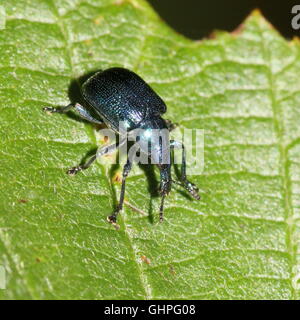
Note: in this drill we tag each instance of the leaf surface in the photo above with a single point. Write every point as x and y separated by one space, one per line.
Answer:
239 242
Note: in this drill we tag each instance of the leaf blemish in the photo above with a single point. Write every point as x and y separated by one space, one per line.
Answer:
172 270
117 178
23 201
145 259
98 20
88 42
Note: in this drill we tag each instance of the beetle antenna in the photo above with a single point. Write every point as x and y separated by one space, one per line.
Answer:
161 210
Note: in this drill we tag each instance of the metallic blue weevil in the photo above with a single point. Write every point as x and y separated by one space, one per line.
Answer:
118 95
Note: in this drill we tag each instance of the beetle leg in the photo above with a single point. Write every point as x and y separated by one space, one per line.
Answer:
127 167
165 187
189 186
86 165
82 112
100 152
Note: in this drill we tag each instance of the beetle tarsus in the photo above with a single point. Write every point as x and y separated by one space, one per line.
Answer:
58 110
161 217
112 219
74 170
50 109
193 190
190 187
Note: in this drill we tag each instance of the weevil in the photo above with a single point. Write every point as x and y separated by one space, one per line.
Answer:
118 95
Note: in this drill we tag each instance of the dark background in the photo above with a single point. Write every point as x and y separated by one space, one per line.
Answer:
198 18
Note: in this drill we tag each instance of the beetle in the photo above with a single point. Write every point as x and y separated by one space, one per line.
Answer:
118 95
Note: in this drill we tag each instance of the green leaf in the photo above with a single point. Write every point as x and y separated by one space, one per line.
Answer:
239 242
